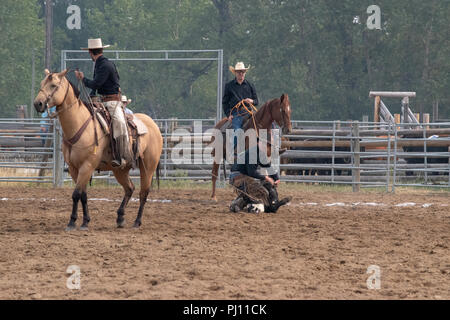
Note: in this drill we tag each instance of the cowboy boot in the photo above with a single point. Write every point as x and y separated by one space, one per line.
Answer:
280 203
116 162
124 156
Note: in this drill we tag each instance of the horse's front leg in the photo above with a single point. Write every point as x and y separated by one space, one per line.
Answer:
75 198
83 176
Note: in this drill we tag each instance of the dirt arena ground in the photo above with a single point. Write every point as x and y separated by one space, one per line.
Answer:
318 247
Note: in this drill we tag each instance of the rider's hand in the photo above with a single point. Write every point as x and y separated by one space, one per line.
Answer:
277 182
79 75
248 100
230 118
269 179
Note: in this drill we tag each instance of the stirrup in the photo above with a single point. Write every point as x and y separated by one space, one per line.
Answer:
115 163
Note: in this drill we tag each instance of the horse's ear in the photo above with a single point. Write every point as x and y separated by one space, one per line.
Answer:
63 73
283 96
46 72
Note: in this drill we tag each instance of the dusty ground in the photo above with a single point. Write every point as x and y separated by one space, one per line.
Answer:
191 248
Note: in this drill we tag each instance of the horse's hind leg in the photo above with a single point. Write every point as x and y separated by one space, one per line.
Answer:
215 174
146 172
123 178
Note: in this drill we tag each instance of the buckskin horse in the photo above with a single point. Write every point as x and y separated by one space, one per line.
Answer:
276 110
85 152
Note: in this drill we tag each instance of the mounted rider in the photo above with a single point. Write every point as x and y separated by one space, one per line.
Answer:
235 91
106 83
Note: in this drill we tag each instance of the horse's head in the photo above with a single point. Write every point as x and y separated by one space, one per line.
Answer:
282 115
52 91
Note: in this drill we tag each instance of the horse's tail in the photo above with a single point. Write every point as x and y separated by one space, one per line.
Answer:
158 172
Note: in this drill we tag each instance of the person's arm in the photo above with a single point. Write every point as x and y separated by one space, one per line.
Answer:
226 101
252 171
275 176
101 75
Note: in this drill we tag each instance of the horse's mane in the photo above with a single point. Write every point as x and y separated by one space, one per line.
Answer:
259 113
265 106
74 88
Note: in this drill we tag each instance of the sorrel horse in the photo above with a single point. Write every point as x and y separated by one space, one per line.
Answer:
276 110
91 152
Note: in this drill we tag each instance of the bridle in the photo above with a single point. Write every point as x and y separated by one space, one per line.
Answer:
70 142
50 96
282 113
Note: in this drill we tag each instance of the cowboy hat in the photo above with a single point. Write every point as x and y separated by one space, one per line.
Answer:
124 99
95 44
238 66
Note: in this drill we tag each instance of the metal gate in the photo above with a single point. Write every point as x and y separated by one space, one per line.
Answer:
27 152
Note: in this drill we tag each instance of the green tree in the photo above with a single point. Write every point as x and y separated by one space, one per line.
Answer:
313 50
20 31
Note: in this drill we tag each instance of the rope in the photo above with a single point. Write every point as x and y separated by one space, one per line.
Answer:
251 112
90 107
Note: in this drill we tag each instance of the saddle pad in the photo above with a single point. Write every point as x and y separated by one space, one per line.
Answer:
141 127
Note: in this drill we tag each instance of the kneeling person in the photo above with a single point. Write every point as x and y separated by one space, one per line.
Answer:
256 188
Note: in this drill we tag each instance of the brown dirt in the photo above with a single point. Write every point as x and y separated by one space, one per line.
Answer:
192 248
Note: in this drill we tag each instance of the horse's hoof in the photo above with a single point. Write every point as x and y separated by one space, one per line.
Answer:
84 228
121 225
214 199
70 228
137 225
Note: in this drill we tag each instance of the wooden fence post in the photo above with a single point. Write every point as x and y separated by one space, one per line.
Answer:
405 108
376 112
435 111
426 119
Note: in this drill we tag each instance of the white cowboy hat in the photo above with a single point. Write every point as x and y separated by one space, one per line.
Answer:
124 99
95 44
238 66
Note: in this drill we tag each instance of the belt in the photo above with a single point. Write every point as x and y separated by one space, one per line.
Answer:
112 97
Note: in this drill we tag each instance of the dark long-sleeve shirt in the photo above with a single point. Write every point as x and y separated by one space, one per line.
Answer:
251 168
106 77
235 92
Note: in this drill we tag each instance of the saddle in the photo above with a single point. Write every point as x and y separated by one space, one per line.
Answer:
135 127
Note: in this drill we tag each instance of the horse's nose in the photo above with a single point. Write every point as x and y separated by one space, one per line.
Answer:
38 105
